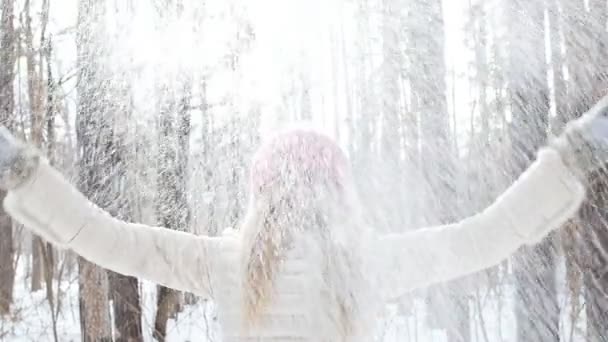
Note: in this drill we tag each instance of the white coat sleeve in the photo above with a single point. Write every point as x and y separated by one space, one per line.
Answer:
50 206
542 199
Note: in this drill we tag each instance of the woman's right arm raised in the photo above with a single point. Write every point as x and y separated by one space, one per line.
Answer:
41 199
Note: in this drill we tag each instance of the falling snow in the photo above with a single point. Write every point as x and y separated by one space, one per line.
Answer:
154 110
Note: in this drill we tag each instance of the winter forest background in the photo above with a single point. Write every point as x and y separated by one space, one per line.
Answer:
154 107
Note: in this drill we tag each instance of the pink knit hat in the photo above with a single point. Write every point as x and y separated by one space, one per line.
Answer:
301 157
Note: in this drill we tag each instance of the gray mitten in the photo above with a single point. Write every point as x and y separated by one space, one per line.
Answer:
17 161
583 145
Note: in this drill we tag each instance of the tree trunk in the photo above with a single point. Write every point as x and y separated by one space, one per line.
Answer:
124 290
127 308
587 60
48 254
166 303
557 64
448 302
536 303
363 129
569 233
586 241
94 134
94 309
167 200
172 204
173 145
390 102
34 87
7 107
591 258
207 162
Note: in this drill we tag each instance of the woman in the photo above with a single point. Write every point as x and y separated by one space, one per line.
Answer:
303 266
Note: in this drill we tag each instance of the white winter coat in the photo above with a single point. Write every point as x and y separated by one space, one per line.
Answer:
545 196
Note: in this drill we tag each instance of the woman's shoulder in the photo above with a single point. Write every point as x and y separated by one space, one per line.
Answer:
230 241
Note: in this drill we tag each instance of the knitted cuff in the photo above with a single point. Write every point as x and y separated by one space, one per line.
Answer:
577 152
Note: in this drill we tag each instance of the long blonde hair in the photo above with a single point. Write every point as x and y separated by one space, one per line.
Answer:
296 199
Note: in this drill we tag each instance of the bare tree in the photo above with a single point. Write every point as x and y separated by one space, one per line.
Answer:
94 133
173 129
207 160
48 253
362 121
172 206
536 307
583 27
124 290
36 98
390 125
426 55
7 107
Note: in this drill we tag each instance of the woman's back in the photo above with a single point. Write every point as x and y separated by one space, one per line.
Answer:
300 309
